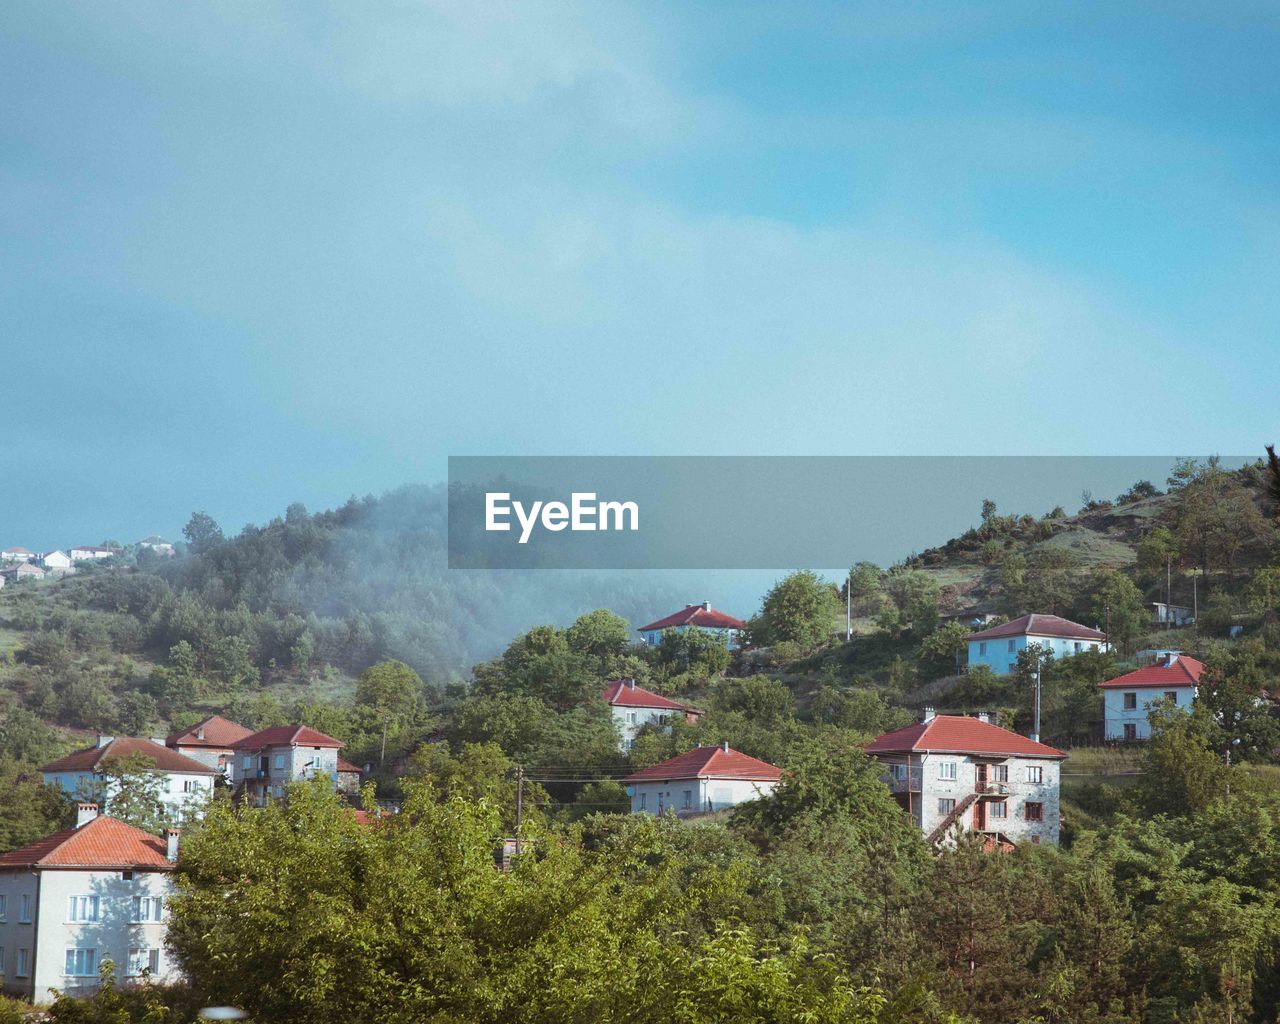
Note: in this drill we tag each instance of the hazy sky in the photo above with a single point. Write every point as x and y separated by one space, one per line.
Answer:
253 253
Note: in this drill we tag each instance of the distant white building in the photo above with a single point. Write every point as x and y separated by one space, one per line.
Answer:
1171 614
54 560
634 707
998 646
157 544
68 902
17 555
952 772
1127 700
267 761
700 781
19 572
185 787
695 616
91 553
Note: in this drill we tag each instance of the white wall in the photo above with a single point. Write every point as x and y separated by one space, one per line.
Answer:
285 764
111 936
1115 716
694 796
631 720
180 791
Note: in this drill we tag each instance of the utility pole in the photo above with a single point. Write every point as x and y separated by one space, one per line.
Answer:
1168 591
848 608
1036 735
1195 596
519 804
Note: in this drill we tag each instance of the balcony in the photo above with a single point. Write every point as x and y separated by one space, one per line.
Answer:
903 782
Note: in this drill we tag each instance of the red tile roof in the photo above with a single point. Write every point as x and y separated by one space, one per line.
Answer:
346 766
16 551
696 615
956 734
287 736
709 763
1039 625
624 693
101 843
218 732
1183 672
166 760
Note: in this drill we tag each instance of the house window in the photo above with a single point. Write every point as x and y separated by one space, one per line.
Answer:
999 773
143 960
148 908
82 908
126 876
947 771
1034 811
1035 774
644 801
999 809
1079 647
279 761
1171 695
4 909
1131 702
191 786
1012 647
898 771
82 963
688 799
1130 731
982 647
248 764
24 909
946 804
631 718
22 967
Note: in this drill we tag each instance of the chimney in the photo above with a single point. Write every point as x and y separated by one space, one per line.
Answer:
928 715
631 684
724 745
706 606
200 733
984 716
171 836
104 740
85 813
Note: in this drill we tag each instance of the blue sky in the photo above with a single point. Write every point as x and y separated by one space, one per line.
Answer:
257 253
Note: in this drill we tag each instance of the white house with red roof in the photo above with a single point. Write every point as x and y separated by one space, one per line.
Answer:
700 781
695 616
95 892
998 646
186 784
267 761
210 741
20 572
1127 700
951 771
634 707
91 552
17 554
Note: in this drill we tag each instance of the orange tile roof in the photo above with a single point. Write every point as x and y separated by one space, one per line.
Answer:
957 734
100 843
287 736
1183 671
696 615
709 763
218 732
166 760
1039 625
624 693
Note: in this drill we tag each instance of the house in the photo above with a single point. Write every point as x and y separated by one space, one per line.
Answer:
56 560
348 775
998 646
1127 699
17 555
95 892
211 742
700 781
951 771
187 784
91 553
20 572
701 616
634 707
269 760
157 544
1170 614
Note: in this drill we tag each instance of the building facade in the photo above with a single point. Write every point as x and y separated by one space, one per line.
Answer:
211 742
186 784
952 772
695 616
998 647
634 707
92 893
701 781
268 761
1127 700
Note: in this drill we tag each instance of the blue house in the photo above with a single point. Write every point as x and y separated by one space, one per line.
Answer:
703 616
998 647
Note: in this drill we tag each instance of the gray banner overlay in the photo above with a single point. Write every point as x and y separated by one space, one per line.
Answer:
752 512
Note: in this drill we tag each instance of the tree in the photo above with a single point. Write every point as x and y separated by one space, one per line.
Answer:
916 595
1051 579
390 689
988 511
1231 693
864 587
1183 773
130 789
1263 591
946 646
600 634
1273 480
203 533
1157 551
1117 602
30 809
801 608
